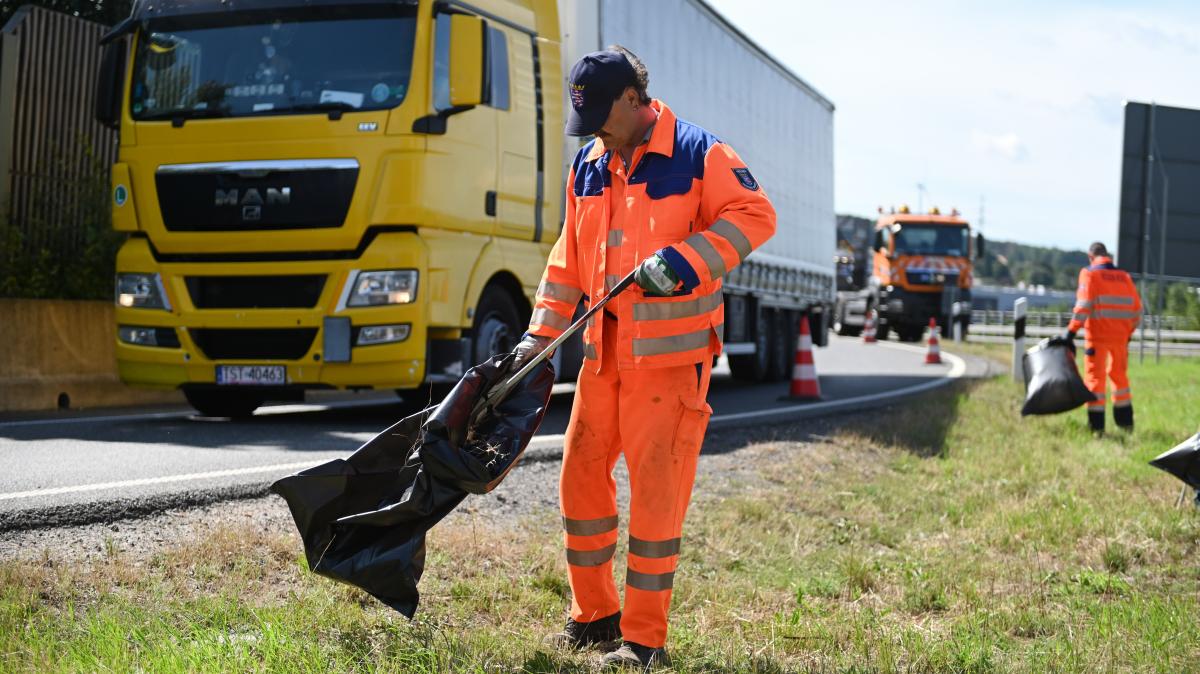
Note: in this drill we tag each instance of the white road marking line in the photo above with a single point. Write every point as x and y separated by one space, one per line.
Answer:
958 368
100 486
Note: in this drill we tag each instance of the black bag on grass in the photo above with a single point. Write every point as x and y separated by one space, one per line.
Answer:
1052 381
1183 461
363 518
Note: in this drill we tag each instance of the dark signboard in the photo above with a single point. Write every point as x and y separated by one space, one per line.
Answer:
1162 149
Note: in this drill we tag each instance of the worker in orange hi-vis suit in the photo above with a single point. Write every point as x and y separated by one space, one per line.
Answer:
664 198
1107 304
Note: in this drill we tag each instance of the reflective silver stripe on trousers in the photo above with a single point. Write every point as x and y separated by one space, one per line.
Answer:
729 231
653 549
590 557
1115 313
615 237
1123 403
599 525
589 351
656 346
558 291
1120 300
708 253
610 282
1121 392
665 311
550 319
650 582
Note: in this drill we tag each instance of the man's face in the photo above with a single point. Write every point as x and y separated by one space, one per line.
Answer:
621 127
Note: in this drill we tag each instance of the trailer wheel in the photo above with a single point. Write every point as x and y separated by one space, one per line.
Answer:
753 367
232 402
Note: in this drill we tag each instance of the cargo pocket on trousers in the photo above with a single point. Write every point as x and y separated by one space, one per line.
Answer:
689 432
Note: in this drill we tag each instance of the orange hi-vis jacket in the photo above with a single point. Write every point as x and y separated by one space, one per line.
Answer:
1107 302
688 197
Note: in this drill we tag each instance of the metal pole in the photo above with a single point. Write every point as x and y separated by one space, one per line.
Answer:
1147 182
1162 265
1018 369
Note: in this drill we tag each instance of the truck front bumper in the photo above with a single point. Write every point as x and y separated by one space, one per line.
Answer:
318 345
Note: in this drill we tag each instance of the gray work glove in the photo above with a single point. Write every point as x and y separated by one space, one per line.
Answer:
527 349
655 276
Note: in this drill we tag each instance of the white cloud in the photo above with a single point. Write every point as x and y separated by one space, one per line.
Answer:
1007 145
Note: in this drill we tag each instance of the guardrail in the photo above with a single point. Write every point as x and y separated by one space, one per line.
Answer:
1058 319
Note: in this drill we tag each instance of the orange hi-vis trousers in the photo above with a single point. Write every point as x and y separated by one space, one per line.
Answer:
1108 361
656 417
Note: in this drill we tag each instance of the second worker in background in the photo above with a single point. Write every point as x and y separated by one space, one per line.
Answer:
658 195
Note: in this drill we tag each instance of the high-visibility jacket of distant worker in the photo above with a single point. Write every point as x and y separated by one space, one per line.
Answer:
643 386
689 196
1108 306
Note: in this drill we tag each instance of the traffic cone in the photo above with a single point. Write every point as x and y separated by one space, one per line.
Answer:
805 385
869 327
934 356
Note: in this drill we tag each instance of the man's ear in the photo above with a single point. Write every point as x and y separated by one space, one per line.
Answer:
631 97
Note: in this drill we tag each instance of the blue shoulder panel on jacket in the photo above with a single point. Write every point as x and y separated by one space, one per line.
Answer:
665 176
591 177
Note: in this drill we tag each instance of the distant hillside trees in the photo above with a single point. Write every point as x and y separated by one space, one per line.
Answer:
1009 263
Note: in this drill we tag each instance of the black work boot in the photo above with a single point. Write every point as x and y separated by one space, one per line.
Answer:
1096 421
578 636
636 655
1124 417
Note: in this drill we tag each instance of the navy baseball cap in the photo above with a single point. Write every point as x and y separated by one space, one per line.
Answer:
595 82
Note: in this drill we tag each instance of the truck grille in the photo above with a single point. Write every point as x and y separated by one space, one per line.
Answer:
254 344
255 292
255 195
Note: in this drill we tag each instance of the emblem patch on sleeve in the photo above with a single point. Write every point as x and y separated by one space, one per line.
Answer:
744 177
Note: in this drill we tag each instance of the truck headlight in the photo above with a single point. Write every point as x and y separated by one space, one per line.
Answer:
382 334
145 336
376 288
143 291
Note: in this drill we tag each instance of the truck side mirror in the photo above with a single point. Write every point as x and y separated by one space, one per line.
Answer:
467 59
109 82
878 244
979 246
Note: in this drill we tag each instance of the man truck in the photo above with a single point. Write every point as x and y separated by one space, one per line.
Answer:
361 194
915 267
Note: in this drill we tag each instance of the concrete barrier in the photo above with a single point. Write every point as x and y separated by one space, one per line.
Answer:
60 353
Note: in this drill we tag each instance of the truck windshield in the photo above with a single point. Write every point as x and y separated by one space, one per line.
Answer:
340 57
932 240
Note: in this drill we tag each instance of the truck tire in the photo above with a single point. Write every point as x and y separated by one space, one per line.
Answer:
840 324
910 333
753 367
883 331
497 327
234 403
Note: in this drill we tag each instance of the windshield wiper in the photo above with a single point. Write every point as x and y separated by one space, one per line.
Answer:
334 108
178 117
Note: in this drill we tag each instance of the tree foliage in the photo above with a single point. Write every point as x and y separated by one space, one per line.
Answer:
1008 263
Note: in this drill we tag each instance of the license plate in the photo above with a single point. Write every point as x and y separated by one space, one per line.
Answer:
252 375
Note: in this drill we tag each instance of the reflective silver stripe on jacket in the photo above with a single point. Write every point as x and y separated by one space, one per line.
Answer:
665 311
599 525
653 549
550 319
615 237
1120 300
1079 317
558 291
590 557
1080 306
589 351
657 346
650 582
708 253
1115 313
610 282
729 231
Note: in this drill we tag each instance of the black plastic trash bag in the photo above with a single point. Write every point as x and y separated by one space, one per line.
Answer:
1052 381
1183 461
363 518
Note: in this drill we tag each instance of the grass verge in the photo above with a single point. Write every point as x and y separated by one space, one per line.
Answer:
943 535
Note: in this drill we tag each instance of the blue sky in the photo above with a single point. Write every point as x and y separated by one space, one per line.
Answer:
1017 102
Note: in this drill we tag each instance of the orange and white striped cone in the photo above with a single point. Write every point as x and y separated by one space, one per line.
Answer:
934 355
868 332
805 385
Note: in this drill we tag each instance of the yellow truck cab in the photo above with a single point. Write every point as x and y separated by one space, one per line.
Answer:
921 268
328 194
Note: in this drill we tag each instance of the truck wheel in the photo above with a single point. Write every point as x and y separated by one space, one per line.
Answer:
497 327
910 333
840 325
753 367
883 331
233 403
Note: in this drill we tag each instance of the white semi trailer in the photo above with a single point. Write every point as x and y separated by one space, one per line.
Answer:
713 75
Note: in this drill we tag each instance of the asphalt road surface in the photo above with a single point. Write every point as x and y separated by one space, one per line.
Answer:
79 468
